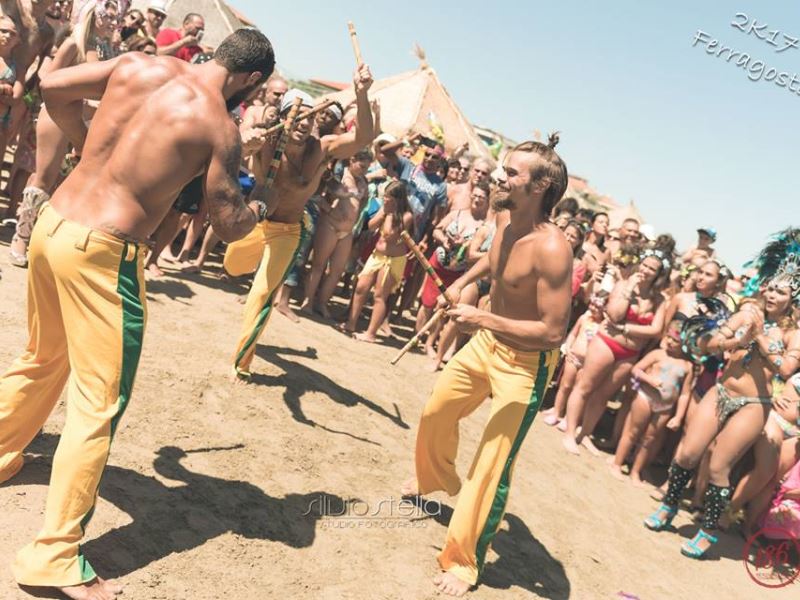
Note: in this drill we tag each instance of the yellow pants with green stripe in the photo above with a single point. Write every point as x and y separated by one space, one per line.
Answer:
517 382
275 246
86 317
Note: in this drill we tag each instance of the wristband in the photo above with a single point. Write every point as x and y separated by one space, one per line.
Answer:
261 210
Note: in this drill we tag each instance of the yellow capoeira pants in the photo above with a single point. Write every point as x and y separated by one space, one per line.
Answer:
275 245
86 318
516 381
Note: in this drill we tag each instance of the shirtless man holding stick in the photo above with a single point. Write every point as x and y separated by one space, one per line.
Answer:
86 283
511 357
272 245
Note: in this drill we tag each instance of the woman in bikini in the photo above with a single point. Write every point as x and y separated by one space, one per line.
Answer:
11 89
333 238
574 351
450 339
634 315
452 236
762 341
709 282
776 450
95 22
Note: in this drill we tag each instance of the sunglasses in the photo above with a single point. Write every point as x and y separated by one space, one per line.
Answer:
431 155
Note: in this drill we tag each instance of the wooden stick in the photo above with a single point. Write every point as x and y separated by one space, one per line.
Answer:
425 264
354 39
437 316
280 146
317 109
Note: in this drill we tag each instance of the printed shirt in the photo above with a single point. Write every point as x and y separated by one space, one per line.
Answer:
426 192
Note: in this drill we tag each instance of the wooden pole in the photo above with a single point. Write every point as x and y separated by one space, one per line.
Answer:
437 316
354 39
425 264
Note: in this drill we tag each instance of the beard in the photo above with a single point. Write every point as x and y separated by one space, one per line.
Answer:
240 96
501 200
503 203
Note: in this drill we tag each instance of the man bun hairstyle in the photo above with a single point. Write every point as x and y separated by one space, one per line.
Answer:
247 50
550 168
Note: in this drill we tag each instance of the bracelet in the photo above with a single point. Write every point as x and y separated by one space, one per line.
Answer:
261 211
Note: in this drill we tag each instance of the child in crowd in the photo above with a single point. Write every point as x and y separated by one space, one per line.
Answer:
383 272
661 379
574 350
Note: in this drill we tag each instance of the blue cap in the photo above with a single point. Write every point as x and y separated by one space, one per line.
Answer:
710 232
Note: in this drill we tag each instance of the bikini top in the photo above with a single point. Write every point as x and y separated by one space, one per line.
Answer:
637 319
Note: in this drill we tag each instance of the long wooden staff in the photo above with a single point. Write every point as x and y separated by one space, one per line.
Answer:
279 127
354 39
439 284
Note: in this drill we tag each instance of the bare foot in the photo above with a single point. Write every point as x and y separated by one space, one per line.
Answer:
155 270
430 351
365 337
551 419
410 487
449 584
616 472
570 445
192 268
562 425
98 589
587 443
433 366
385 329
288 313
324 312
239 377
637 481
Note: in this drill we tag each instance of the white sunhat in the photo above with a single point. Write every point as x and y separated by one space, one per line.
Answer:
159 6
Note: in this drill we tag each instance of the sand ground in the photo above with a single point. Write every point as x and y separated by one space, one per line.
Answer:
216 491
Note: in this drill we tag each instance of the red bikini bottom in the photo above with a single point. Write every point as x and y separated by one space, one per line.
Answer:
619 351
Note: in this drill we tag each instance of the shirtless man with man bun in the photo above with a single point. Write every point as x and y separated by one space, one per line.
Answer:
86 283
511 358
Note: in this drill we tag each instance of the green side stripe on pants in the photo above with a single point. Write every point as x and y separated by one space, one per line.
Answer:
501 495
267 308
132 334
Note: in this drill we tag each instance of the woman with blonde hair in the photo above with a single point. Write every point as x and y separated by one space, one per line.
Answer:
94 24
762 341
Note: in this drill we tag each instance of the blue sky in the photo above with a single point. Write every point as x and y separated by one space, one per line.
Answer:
644 115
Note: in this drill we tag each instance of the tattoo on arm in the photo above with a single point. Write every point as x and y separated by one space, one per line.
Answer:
229 214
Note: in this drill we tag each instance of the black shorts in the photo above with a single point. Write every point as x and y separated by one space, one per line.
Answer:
188 200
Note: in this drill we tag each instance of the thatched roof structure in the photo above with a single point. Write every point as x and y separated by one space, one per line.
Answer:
417 102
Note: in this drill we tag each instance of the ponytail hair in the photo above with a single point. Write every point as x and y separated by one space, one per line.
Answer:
550 168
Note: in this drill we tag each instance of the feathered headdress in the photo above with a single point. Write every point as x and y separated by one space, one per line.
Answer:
713 313
778 264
